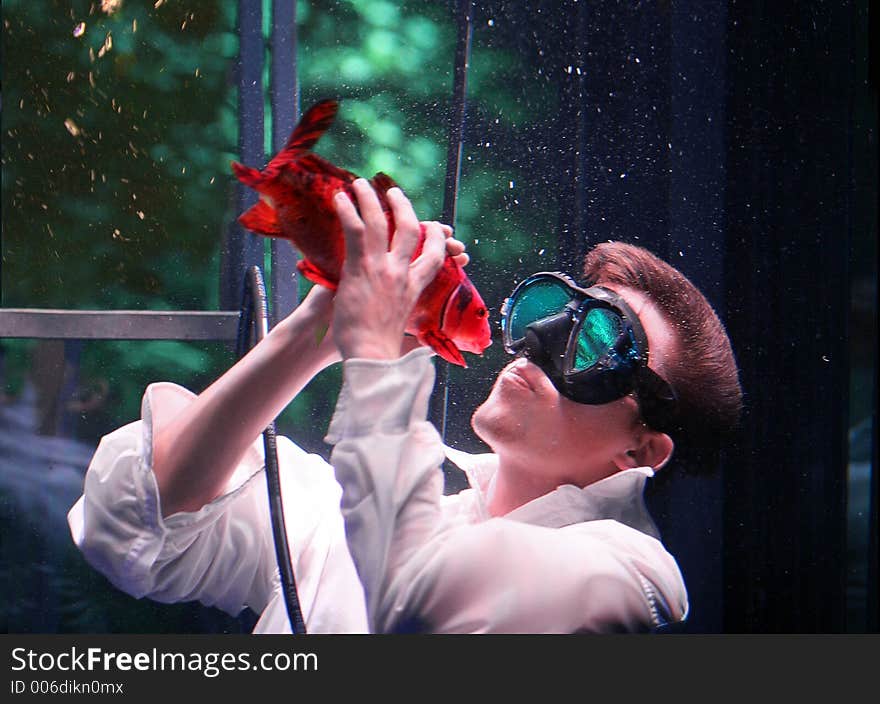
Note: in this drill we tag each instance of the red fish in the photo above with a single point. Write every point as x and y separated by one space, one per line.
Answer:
296 203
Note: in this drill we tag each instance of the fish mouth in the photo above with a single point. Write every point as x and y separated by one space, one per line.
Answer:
475 347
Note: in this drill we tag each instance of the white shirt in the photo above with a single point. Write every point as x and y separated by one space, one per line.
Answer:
572 560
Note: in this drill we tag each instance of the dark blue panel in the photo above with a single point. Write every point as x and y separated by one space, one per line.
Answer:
284 91
243 249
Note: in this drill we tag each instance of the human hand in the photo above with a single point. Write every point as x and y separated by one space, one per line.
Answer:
313 316
379 286
454 248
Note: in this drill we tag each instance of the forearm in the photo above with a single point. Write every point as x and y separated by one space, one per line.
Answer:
196 452
387 459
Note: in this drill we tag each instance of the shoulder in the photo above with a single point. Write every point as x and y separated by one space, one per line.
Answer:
645 560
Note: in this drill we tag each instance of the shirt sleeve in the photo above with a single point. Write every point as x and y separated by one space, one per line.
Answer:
221 555
421 573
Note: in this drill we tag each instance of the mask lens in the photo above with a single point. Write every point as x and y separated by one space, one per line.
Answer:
599 331
535 301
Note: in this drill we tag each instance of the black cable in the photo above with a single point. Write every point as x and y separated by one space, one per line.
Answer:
465 21
253 327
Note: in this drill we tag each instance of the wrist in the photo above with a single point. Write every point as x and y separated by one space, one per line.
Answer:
370 348
307 336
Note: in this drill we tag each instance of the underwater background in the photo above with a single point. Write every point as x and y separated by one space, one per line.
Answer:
738 140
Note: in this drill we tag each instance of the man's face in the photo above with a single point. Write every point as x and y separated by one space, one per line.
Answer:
528 422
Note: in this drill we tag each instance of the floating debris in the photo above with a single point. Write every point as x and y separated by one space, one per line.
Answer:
79 30
72 127
70 76
134 26
140 214
108 45
158 4
110 6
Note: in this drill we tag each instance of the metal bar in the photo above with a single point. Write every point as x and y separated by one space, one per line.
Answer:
242 248
284 94
118 324
464 18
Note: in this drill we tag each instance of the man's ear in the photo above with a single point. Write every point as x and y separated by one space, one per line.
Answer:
653 449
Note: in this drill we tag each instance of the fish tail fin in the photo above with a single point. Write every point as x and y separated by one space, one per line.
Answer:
315 275
312 125
262 219
442 345
247 175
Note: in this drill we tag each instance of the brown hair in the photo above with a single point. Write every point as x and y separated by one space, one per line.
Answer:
703 369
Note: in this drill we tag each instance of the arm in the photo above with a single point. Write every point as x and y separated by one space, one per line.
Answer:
195 453
383 395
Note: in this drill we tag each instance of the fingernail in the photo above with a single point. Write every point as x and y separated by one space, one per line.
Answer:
394 189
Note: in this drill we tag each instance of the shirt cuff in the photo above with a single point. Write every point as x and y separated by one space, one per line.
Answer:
382 395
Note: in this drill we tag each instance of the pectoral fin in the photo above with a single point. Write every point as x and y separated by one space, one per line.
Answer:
442 345
261 218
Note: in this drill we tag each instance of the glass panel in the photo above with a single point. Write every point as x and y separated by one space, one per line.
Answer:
56 401
863 366
118 129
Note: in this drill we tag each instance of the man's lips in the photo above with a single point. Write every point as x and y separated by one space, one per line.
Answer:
524 373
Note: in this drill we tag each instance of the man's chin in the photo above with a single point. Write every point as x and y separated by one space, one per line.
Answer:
494 424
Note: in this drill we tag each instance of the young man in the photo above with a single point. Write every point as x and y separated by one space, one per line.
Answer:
552 537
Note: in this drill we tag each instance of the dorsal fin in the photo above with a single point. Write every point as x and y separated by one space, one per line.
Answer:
312 125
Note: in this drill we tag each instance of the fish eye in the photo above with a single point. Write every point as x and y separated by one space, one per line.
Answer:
482 312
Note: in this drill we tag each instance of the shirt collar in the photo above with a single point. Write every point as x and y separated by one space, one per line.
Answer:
619 497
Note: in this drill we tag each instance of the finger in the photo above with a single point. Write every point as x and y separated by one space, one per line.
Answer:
454 247
424 267
352 227
376 235
447 229
462 259
407 231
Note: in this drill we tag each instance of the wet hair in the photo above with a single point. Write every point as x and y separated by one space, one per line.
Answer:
702 369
